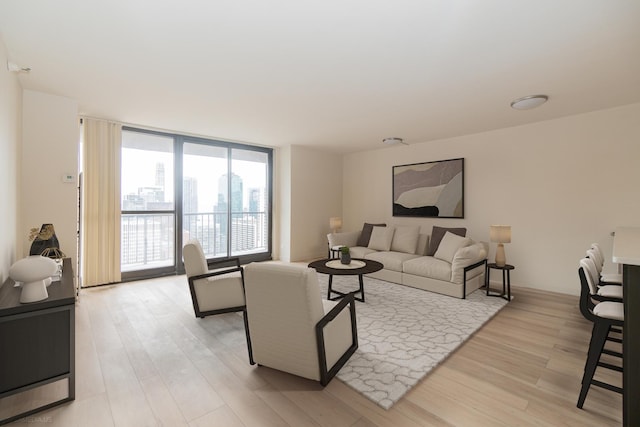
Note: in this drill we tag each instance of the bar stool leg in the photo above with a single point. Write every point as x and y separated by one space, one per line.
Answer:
598 338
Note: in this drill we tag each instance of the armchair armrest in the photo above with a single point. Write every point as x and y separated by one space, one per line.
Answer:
326 374
212 273
465 257
468 269
218 272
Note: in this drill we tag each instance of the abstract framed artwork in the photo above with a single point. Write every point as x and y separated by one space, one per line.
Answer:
429 189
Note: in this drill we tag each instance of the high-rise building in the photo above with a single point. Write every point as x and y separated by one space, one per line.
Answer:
190 195
235 202
160 180
236 191
254 200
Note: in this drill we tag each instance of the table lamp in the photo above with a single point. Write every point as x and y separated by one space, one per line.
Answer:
500 234
335 223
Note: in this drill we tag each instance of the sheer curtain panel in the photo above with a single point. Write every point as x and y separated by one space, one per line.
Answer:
100 210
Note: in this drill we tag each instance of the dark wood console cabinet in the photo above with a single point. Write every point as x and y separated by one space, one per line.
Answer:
37 345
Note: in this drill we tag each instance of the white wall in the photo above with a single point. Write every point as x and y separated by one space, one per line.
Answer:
314 187
10 109
561 184
50 132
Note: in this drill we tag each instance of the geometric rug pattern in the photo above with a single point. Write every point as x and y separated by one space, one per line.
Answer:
403 333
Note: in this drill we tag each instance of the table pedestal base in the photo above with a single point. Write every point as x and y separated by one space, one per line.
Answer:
342 294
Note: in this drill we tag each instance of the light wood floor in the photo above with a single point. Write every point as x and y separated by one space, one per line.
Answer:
144 359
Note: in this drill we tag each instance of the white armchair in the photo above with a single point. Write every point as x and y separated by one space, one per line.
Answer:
216 291
292 329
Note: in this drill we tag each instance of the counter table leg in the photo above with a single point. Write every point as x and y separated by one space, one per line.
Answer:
631 346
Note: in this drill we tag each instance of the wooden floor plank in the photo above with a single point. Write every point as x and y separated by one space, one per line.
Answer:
143 358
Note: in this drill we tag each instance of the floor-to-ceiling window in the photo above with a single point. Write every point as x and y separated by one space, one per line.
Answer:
148 202
176 188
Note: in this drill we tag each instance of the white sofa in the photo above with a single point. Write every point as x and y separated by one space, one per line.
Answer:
457 267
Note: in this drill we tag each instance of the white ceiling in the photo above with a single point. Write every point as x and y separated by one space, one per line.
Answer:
336 74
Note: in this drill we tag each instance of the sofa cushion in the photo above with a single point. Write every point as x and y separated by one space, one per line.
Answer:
391 260
428 266
365 235
437 233
449 246
360 252
381 238
405 239
423 244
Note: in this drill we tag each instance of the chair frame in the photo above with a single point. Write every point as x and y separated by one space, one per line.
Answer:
599 335
219 272
326 375
467 269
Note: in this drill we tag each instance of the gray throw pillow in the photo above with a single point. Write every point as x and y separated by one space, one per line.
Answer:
436 236
365 235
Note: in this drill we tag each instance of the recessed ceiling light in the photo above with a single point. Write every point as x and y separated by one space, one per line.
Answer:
393 141
529 102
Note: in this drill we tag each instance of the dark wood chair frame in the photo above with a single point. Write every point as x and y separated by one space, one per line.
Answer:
326 374
599 336
219 272
601 298
468 269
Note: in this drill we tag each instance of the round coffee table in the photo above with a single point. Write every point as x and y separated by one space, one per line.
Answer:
357 267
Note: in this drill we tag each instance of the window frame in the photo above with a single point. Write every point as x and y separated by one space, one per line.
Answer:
179 140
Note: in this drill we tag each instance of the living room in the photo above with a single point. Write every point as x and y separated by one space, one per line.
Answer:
562 182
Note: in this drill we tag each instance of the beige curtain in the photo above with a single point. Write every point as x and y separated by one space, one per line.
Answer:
100 222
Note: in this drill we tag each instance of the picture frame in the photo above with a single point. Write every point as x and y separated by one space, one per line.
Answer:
429 189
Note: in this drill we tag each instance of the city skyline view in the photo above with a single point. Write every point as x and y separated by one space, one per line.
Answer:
228 218
140 172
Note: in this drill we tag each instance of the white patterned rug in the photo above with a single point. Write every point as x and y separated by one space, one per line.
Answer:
405 332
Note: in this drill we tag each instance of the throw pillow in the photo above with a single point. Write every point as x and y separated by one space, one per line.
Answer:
405 239
436 236
381 238
449 246
365 235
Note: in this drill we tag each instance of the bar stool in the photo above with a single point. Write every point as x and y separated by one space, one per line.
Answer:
595 252
604 316
603 292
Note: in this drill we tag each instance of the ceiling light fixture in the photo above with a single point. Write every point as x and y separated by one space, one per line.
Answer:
15 68
529 102
393 141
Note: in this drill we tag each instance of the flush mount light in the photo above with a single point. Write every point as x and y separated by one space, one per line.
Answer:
529 102
393 141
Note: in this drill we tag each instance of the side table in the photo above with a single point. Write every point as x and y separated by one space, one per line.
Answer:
506 280
334 251
358 268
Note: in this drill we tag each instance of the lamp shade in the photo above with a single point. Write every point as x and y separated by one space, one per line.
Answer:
335 222
500 233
